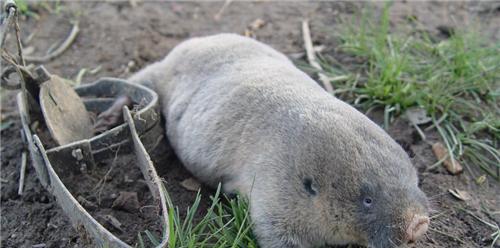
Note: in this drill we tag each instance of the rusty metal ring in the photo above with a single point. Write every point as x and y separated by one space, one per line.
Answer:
9 4
4 79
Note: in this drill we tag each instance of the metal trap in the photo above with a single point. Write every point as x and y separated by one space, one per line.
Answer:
79 156
72 147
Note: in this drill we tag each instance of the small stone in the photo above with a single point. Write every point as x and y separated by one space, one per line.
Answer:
131 64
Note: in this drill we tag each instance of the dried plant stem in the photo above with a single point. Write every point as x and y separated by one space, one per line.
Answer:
311 57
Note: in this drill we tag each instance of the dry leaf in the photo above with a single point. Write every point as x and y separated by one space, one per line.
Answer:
460 194
417 116
127 201
441 152
191 184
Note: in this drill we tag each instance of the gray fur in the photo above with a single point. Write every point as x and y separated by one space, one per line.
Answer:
239 112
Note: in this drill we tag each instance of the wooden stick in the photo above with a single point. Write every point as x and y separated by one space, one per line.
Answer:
11 12
65 45
22 173
19 45
219 14
311 57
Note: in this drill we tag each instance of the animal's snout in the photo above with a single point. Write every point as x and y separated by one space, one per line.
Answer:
417 227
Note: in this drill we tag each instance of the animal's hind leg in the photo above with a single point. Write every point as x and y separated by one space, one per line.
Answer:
113 116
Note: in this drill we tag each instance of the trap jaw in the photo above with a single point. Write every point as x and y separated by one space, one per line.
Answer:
47 99
59 106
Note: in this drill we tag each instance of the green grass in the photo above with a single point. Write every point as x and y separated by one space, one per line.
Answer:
24 8
29 7
225 224
455 80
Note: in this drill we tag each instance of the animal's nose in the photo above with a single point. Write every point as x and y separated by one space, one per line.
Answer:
417 227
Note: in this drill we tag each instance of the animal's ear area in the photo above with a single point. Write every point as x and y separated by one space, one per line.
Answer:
310 186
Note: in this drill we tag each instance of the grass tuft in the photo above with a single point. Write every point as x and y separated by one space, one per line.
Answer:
455 80
225 224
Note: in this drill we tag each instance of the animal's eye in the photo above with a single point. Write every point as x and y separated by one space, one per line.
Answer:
367 201
309 186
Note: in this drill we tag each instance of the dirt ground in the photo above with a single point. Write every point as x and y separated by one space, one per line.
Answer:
119 39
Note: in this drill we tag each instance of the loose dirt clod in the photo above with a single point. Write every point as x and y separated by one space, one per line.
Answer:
86 203
441 153
128 201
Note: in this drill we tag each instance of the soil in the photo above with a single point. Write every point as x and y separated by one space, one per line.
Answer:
98 192
117 39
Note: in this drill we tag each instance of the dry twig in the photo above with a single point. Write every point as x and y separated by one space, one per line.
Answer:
311 57
100 185
219 14
57 52
22 173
